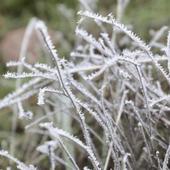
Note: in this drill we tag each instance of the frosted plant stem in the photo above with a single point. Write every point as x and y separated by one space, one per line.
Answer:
24 45
66 121
117 122
68 154
108 156
146 143
22 55
13 133
120 109
167 157
20 165
146 99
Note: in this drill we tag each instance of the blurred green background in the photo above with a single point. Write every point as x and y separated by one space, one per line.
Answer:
142 14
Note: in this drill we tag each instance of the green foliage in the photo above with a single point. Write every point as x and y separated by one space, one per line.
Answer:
147 14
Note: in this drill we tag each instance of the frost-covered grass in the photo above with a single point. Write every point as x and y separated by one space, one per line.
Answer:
105 107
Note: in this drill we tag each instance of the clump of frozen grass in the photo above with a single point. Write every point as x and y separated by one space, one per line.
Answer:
114 95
